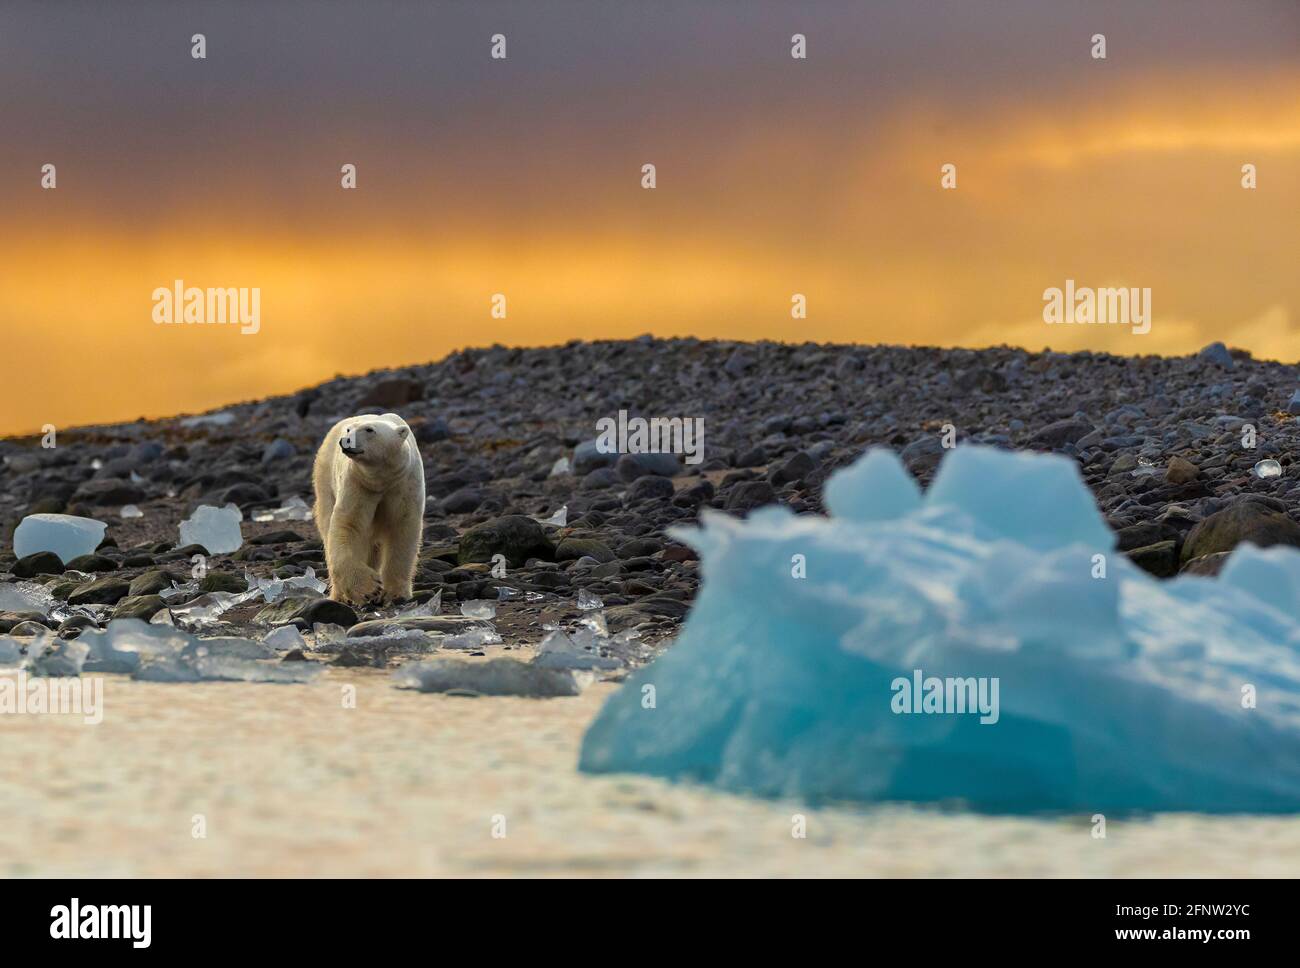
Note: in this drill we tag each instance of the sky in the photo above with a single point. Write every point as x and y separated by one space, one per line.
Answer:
523 176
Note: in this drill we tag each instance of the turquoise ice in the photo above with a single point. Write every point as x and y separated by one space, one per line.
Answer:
1116 691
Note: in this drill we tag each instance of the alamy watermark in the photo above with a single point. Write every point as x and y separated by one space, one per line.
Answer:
24 695
952 695
1085 306
212 306
656 435
76 921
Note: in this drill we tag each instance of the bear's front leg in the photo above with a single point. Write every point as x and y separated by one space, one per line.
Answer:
401 551
347 546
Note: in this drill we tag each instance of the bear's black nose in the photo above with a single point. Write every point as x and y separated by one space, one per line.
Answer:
350 451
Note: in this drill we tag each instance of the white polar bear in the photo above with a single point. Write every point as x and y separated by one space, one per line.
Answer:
369 483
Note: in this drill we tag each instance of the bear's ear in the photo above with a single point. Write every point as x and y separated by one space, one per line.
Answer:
402 432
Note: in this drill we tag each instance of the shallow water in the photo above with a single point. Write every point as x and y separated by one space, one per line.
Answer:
290 782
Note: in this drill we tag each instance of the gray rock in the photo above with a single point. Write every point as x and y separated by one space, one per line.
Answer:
1247 520
514 535
1217 354
587 457
632 466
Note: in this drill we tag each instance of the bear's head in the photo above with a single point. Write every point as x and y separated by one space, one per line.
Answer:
374 441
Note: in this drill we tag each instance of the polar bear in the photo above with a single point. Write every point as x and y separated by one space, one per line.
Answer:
369 483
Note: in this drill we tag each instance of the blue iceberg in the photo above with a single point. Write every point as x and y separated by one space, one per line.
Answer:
982 645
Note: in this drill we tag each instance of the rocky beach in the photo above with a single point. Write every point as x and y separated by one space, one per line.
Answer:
1186 456
548 570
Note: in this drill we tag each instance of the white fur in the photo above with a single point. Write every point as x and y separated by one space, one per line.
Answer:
370 507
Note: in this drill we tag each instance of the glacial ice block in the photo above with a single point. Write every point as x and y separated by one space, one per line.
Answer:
217 529
805 666
67 535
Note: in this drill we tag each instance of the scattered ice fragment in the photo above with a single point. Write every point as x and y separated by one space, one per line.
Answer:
121 646
506 594
432 607
308 580
285 638
206 609
1268 468
471 639
559 651
26 596
199 663
131 511
560 467
66 535
560 518
274 589
49 655
492 677
293 509
96 464
136 478
587 601
179 591
479 608
216 529
626 637
1114 694
595 621
11 651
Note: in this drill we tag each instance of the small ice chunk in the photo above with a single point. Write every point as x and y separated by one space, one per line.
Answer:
206 609
493 677
471 639
199 662
559 651
293 509
560 467
560 518
626 637
1268 468
26 596
587 601
506 594
55 657
308 580
178 591
131 511
217 529
66 535
11 651
121 646
432 607
274 589
595 621
479 608
285 639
